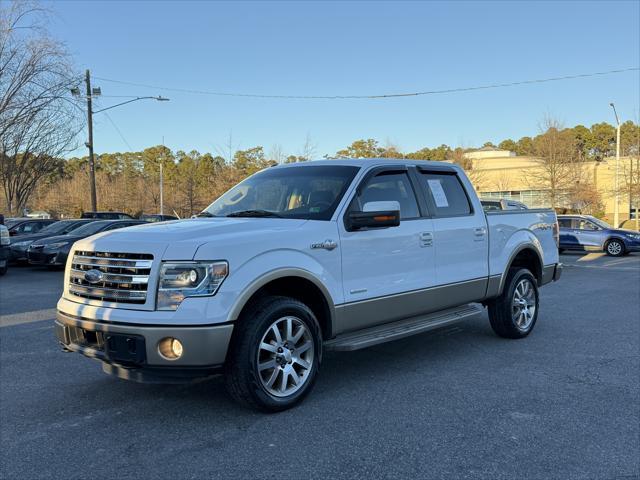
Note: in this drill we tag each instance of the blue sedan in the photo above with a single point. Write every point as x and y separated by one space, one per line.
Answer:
584 232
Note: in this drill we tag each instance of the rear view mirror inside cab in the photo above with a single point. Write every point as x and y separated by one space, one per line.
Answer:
374 215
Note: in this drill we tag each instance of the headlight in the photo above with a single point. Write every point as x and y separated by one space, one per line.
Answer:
179 280
4 236
56 245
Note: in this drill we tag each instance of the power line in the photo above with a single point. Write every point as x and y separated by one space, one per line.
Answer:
118 130
381 96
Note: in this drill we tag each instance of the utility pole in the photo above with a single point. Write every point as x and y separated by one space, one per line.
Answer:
616 208
92 169
161 181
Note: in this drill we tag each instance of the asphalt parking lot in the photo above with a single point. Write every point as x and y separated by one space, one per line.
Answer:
459 403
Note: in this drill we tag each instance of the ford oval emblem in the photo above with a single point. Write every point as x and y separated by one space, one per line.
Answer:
93 276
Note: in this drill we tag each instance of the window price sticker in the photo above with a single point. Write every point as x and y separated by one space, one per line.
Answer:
438 193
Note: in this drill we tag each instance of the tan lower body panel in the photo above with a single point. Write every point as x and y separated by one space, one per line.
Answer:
375 311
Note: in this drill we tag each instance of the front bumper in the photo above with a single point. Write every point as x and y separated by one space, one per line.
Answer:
46 257
5 255
131 351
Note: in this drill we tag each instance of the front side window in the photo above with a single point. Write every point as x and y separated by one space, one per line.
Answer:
586 225
447 195
304 192
389 186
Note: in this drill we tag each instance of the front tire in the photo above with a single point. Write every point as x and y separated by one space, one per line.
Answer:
514 313
614 248
274 356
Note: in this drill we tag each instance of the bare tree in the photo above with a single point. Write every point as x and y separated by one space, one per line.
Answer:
277 154
308 149
37 123
558 168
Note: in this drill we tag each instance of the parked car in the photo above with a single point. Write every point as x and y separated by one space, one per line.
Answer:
107 215
150 217
63 227
584 232
297 259
5 242
26 226
501 204
53 251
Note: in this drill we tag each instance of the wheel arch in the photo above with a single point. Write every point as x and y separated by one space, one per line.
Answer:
294 283
525 256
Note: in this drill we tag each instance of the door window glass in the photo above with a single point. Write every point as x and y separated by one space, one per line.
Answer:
447 194
390 186
564 222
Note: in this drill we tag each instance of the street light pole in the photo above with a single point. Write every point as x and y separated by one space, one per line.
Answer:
616 208
75 91
92 170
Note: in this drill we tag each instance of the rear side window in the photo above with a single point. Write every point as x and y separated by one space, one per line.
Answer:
447 195
564 222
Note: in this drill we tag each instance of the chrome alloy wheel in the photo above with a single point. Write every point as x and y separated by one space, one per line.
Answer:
614 248
523 307
285 356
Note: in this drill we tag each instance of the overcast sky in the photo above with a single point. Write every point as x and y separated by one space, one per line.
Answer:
358 48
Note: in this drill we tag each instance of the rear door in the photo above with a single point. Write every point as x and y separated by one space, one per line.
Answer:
460 234
568 238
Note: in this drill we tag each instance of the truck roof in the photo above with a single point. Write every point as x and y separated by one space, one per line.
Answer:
367 162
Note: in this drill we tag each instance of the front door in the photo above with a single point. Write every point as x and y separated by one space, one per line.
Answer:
383 269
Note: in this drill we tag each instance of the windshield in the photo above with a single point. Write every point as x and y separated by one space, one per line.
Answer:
306 192
90 228
62 226
600 223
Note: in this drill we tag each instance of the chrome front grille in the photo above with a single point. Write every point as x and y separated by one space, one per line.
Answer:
112 277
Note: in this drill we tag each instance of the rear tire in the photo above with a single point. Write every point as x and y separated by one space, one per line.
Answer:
274 355
614 248
514 313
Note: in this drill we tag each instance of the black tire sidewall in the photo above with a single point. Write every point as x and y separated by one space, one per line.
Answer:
280 307
515 279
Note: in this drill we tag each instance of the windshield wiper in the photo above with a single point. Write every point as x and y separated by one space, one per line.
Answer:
254 213
205 214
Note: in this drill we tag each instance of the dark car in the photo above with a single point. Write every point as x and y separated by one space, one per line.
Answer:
26 226
151 217
584 232
107 215
5 241
63 227
53 251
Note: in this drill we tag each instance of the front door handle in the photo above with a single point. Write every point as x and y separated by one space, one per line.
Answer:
426 239
480 232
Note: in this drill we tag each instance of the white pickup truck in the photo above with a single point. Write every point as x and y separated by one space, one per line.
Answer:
296 260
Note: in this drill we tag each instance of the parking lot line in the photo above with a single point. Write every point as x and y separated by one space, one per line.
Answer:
27 317
590 257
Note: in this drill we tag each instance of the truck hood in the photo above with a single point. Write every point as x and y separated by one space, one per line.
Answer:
179 240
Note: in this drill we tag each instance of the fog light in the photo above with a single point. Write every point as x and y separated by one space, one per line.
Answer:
170 348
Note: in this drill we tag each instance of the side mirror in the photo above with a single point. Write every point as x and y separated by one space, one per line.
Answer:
375 215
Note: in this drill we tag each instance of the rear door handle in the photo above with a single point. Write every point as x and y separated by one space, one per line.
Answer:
426 239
